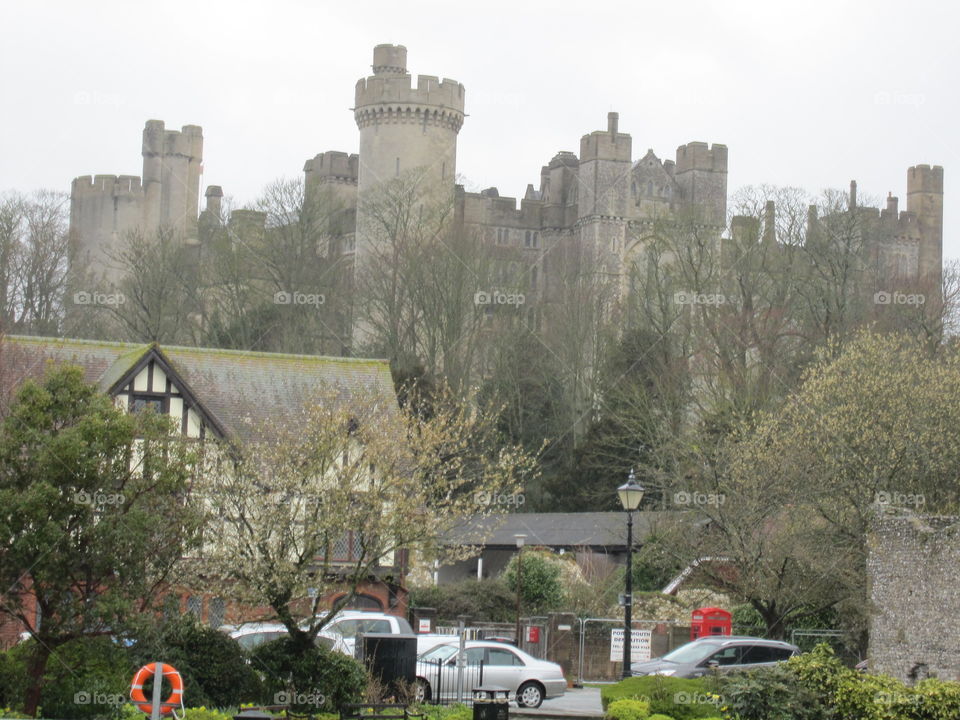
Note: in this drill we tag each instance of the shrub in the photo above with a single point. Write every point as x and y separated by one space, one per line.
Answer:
541 588
214 667
817 686
485 600
202 713
85 678
678 698
307 672
658 716
774 693
628 709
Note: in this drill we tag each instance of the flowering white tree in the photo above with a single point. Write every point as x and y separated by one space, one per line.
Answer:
347 463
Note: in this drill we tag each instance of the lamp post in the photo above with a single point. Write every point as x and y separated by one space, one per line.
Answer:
630 493
520 540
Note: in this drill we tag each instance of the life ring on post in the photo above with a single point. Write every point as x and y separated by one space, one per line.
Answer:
146 673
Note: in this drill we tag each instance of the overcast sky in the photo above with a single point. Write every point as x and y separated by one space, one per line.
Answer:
807 94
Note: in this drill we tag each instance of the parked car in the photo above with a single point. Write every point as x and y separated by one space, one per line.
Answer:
252 635
339 634
529 679
717 652
350 623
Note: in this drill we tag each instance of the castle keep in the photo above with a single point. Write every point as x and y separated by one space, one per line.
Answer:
594 204
103 208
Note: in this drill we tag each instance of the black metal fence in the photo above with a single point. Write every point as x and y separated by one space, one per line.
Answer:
444 680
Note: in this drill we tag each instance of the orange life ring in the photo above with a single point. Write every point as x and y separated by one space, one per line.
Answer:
147 672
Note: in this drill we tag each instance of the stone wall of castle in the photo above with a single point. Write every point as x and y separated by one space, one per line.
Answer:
915 598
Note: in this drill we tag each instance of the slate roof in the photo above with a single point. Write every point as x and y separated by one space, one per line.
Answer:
598 530
229 384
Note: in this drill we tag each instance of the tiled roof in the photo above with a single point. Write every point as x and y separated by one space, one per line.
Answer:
229 384
568 530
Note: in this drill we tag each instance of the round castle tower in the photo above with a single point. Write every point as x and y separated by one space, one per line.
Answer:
405 128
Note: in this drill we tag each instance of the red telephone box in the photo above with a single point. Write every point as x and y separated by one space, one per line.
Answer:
710 621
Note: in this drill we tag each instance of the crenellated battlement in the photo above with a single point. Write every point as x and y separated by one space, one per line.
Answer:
700 156
111 185
333 165
389 60
609 144
925 179
186 142
398 94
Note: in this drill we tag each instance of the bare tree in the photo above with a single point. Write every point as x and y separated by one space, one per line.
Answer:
33 261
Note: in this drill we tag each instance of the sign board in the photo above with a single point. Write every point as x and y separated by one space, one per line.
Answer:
564 627
533 634
639 645
423 625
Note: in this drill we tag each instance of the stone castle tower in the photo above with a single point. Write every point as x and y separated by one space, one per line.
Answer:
104 208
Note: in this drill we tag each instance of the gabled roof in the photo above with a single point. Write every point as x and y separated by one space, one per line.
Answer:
229 384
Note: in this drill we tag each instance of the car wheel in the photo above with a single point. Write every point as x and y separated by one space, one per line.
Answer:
530 695
421 692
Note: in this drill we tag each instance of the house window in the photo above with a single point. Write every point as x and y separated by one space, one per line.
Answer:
142 402
195 606
216 612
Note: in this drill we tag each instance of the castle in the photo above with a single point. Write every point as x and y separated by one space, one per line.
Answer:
597 201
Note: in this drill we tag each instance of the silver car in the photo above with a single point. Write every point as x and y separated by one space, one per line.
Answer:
529 679
717 652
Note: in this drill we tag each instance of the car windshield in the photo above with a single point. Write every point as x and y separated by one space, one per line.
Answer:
441 652
252 640
349 628
690 653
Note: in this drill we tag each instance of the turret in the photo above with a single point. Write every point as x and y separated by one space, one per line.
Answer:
103 208
701 176
214 198
171 177
406 129
335 170
605 162
925 199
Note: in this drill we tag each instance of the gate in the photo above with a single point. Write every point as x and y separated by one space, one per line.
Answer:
594 662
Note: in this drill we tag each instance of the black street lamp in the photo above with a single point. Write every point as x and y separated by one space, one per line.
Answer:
630 493
520 541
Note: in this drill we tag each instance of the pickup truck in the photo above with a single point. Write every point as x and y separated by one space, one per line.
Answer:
340 633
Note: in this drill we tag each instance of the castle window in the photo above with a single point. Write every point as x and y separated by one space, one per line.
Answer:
503 236
533 278
649 187
527 240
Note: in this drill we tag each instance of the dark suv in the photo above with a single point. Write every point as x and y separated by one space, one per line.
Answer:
717 652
